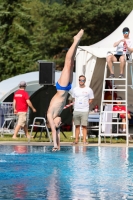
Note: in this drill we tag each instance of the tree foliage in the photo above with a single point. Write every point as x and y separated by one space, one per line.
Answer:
18 45
97 17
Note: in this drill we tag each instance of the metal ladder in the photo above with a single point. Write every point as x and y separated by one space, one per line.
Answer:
105 113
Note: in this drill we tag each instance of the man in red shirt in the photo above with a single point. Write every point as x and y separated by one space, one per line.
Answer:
120 108
20 103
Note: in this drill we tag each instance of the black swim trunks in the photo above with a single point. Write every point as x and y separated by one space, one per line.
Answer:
118 57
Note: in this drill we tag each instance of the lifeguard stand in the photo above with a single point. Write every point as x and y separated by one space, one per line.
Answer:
119 85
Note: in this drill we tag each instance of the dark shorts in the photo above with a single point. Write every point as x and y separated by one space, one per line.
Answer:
118 57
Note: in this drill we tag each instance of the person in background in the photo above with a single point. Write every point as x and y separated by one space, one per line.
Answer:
21 102
120 107
63 86
70 100
124 48
82 97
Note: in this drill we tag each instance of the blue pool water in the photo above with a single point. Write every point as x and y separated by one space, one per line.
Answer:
74 173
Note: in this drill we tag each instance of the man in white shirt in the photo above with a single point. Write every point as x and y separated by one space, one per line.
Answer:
124 48
82 97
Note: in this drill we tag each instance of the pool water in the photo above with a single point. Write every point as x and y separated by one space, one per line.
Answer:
74 173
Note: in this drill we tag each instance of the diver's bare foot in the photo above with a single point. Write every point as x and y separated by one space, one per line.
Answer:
55 149
79 35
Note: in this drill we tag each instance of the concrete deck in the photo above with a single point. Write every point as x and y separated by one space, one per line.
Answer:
63 144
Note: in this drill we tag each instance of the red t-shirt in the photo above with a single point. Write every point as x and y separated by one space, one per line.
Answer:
21 96
120 108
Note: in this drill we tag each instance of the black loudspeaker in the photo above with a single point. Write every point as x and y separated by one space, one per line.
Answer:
46 73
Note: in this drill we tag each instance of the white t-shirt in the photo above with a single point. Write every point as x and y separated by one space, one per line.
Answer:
82 96
119 48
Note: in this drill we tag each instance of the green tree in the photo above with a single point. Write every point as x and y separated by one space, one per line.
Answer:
104 17
43 29
66 2
62 21
18 47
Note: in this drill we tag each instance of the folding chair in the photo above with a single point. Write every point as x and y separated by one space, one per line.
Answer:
43 125
115 127
93 123
6 126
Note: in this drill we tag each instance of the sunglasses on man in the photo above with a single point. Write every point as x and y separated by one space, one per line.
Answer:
82 80
125 33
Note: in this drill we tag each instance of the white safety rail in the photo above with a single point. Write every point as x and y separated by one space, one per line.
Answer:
106 113
6 108
8 119
6 111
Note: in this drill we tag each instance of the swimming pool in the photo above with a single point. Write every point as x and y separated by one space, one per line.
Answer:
74 173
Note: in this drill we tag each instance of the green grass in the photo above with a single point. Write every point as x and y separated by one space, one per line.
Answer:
69 138
8 137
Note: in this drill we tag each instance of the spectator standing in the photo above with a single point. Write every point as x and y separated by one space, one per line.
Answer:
20 104
70 100
82 96
120 107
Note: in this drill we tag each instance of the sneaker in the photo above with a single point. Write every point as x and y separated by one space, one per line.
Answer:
121 76
112 76
124 131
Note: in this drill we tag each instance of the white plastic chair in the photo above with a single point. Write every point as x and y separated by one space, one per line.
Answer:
6 130
6 126
93 124
42 125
